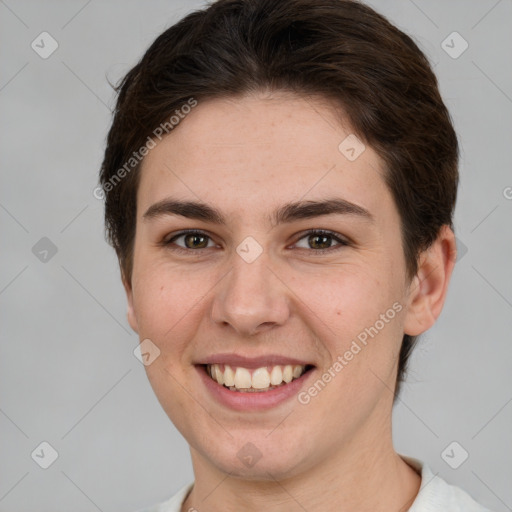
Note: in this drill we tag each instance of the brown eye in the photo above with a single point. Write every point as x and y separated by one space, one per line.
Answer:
322 241
191 240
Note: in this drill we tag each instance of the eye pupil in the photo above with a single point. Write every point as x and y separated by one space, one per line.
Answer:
194 237
325 240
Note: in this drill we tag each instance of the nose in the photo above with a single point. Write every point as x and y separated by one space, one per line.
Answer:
251 298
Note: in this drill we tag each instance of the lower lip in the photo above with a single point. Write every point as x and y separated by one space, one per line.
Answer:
252 401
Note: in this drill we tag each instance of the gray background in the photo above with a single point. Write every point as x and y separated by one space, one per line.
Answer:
68 375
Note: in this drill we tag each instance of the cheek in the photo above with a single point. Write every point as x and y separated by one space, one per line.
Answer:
166 302
363 313
360 317
347 297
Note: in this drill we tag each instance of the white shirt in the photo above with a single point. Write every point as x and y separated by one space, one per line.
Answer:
435 495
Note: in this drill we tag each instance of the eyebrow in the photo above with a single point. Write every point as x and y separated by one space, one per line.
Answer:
285 214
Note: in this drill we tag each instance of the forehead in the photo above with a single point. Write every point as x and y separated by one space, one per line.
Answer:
249 152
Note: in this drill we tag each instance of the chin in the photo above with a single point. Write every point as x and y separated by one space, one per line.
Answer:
265 464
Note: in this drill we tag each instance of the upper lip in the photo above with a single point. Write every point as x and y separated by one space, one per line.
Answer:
252 362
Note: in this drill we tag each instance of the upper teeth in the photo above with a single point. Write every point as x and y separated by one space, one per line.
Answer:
261 378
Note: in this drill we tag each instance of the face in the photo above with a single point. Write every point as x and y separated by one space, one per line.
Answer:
260 285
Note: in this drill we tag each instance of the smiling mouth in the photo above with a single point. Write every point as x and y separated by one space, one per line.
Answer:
258 380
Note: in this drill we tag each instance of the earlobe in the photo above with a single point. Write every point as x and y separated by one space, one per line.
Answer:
130 315
429 287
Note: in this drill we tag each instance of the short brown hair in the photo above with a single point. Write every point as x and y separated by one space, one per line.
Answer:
339 49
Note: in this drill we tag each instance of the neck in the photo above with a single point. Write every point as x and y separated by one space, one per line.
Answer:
352 479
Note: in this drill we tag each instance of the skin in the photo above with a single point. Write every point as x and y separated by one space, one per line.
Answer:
248 156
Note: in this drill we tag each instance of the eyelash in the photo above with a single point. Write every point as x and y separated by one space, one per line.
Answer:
324 232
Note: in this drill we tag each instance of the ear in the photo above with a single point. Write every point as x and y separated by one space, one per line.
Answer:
130 315
427 291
